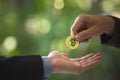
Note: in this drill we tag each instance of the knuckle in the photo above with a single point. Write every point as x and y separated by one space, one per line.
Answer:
81 17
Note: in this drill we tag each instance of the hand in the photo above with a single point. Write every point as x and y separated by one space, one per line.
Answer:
62 64
87 26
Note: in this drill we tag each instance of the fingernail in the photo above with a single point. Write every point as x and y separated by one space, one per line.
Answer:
77 38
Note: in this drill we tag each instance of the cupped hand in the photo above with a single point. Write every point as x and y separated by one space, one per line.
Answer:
61 63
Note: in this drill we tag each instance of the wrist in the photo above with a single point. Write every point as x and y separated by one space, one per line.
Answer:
111 26
53 62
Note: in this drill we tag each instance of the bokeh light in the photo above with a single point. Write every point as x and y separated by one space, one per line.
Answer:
85 4
10 43
45 26
108 6
32 26
59 4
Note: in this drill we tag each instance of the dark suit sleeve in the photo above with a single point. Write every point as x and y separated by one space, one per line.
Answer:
21 68
113 40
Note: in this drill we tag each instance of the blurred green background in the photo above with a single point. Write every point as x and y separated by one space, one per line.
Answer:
38 27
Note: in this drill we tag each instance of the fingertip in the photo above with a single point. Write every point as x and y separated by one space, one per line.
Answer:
80 37
91 54
77 37
65 54
99 54
73 33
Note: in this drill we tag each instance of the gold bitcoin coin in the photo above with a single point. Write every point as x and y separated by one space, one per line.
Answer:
71 42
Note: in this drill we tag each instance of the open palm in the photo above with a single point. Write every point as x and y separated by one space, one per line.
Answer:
63 64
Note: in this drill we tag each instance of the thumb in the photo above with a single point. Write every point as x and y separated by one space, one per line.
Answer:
65 54
84 35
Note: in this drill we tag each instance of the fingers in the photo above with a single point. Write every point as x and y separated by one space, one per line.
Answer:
84 28
86 41
91 58
84 35
95 57
87 62
87 56
78 25
91 61
89 65
78 65
82 58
